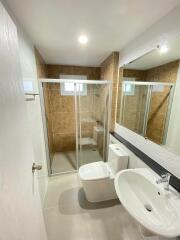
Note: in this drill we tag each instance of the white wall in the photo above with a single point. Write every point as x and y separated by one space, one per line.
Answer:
165 30
29 72
27 60
173 136
21 214
37 137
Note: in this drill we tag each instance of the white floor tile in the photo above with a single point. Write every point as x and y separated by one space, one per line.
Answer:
60 186
62 226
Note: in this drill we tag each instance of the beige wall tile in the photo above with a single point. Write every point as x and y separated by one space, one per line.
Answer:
54 71
64 142
109 71
61 108
63 122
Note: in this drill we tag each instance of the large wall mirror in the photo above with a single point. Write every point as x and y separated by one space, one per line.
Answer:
149 96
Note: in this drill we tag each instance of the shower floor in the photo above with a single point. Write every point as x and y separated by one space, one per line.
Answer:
66 161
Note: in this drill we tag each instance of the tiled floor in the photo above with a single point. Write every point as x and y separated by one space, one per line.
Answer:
66 161
68 215
63 162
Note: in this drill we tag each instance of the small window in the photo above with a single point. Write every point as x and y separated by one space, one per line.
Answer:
129 89
68 88
28 86
157 88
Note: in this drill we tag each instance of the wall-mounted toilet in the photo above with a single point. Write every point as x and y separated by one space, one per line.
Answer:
98 178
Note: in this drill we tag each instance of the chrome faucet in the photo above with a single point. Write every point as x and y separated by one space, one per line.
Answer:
165 178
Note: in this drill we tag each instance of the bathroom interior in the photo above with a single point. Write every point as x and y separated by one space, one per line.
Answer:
98 102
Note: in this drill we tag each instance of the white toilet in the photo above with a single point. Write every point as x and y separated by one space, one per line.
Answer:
98 178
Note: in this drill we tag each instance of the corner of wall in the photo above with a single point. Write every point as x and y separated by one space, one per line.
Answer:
174 130
40 65
110 71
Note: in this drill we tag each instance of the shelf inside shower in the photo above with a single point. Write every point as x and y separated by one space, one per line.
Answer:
87 141
88 120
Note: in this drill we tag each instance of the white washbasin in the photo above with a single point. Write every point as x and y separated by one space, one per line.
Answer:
156 209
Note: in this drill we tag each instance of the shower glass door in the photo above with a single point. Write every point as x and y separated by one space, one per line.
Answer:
146 108
134 107
59 106
92 122
157 122
75 117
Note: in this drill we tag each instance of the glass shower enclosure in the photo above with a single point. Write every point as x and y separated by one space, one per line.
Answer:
145 108
76 122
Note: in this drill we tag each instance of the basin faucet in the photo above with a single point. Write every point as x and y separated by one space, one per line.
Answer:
165 178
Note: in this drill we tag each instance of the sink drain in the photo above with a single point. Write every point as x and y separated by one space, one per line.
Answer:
148 207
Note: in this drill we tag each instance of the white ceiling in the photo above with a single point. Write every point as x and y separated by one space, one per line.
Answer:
155 58
54 26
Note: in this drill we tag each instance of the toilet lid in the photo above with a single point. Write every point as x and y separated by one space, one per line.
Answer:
93 171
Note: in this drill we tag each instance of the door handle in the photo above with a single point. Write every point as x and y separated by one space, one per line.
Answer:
36 167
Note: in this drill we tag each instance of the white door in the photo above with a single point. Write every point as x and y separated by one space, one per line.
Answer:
20 212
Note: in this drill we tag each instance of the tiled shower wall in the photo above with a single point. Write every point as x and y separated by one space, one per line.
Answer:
134 109
135 103
140 75
60 117
159 103
109 71
40 65
87 110
101 101
54 71
61 108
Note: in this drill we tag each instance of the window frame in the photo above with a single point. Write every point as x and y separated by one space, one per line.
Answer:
63 90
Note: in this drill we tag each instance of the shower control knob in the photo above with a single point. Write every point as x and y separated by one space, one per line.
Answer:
36 167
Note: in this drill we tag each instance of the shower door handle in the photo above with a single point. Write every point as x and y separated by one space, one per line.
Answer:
36 167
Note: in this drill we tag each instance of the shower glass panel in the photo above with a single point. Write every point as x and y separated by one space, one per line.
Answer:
92 122
158 113
76 121
146 108
134 107
60 123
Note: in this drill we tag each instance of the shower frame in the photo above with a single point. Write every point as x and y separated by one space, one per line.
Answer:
77 124
148 103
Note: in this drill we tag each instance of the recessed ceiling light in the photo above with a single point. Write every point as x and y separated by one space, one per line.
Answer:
83 39
163 49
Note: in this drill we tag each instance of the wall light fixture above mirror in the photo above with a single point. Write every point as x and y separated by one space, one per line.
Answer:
149 96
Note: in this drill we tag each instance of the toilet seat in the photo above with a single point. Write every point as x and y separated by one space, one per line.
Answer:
94 171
